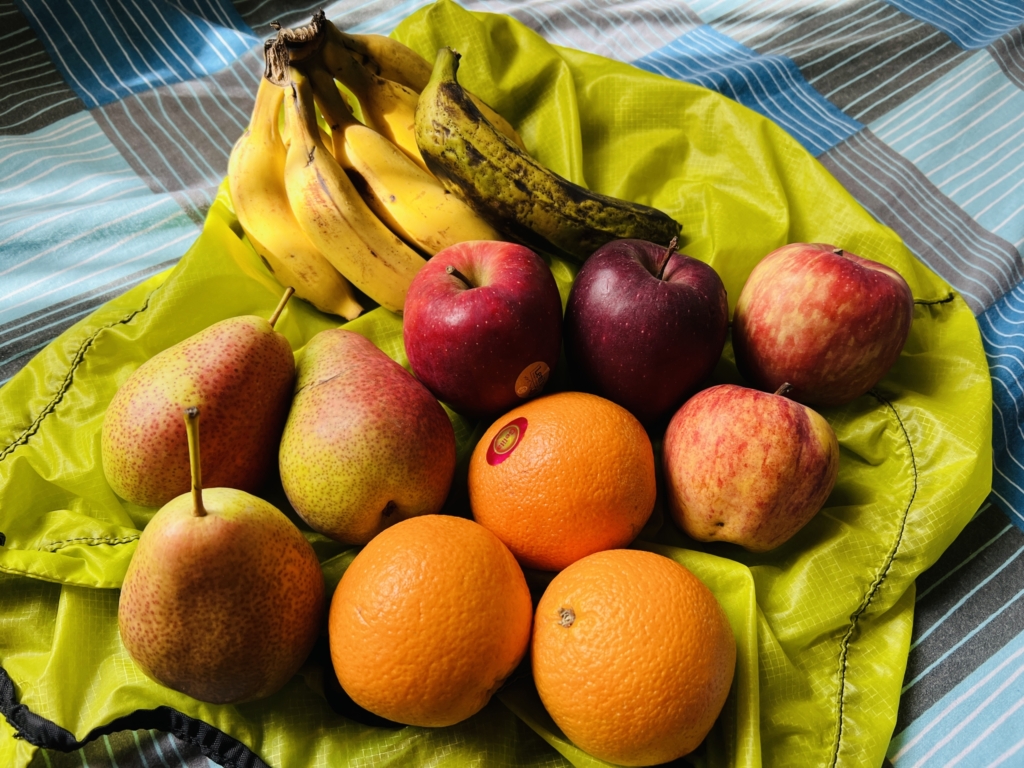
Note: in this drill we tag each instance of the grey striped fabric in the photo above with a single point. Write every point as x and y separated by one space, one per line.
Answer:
981 264
865 56
258 14
974 581
178 136
594 29
22 336
35 95
1008 50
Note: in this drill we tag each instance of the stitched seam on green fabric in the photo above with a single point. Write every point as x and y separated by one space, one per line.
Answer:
875 586
931 302
32 428
90 541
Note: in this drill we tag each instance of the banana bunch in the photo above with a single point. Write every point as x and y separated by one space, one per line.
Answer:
381 159
532 204
395 61
256 182
332 203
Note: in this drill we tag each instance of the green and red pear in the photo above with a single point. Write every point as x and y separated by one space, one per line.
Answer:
366 444
240 373
224 597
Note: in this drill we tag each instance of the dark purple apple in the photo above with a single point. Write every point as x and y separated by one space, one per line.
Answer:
483 326
824 320
644 326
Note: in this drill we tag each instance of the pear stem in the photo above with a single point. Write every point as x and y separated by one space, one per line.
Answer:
668 255
784 389
456 274
192 430
280 306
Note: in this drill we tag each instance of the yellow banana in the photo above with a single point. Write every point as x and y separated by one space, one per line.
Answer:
333 215
387 107
412 202
256 180
390 59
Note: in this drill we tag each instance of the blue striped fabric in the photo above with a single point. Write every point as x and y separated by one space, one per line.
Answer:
971 23
771 85
74 217
980 265
652 25
1002 331
954 131
381 23
975 724
109 49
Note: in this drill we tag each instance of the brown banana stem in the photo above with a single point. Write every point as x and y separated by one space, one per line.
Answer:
305 41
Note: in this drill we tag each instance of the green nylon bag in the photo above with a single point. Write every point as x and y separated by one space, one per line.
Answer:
822 624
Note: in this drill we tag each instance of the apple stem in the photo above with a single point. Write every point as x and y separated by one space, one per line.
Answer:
192 430
784 389
455 273
838 251
668 255
280 306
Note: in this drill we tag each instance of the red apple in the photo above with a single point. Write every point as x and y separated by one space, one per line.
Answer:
483 326
822 319
747 467
644 326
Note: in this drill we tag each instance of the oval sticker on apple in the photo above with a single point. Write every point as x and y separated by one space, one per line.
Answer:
532 380
505 441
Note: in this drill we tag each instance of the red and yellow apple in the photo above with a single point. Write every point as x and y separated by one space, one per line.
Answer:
828 322
483 326
747 467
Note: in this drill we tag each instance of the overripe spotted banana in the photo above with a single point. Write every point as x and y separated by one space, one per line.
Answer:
396 61
511 190
333 215
411 201
256 181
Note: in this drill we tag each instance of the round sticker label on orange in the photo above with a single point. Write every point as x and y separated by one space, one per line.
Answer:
505 441
532 380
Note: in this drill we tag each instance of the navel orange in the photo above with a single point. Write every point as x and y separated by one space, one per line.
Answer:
633 656
428 620
562 477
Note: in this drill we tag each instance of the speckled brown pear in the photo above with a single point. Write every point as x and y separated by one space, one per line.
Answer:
240 372
224 597
366 444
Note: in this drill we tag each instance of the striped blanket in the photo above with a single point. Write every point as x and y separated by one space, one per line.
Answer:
118 117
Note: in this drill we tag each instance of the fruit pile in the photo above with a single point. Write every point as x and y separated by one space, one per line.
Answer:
389 177
333 202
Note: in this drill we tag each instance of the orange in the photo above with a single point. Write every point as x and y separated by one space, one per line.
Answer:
562 477
633 656
428 620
